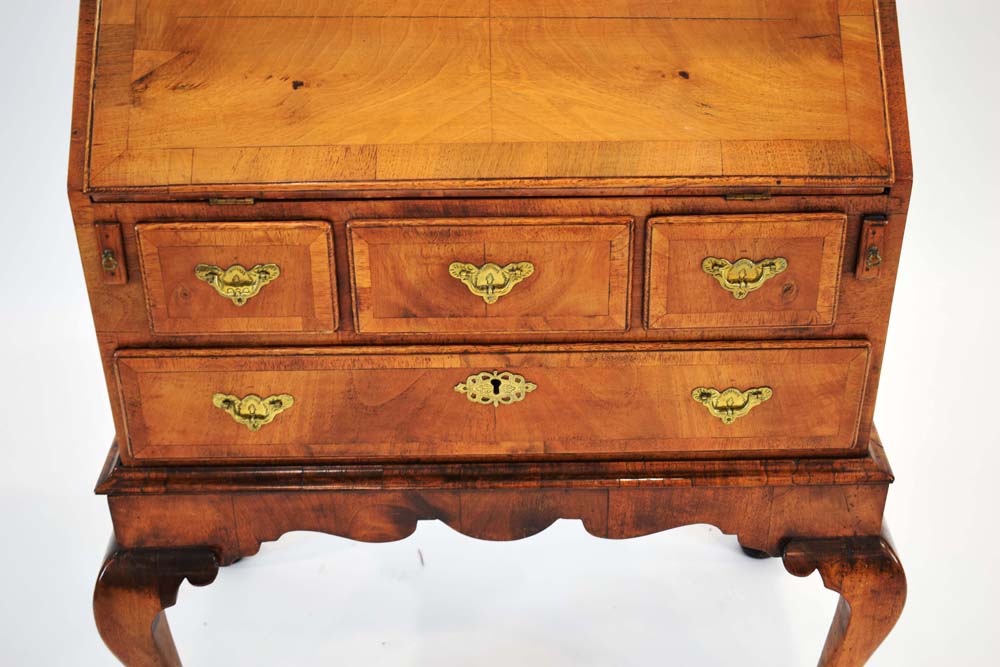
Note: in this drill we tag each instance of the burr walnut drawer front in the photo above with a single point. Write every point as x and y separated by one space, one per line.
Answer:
744 271
503 275
413 403
238 277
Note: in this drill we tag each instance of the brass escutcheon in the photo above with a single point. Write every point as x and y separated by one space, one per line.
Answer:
237 283
495 388
491 281
253 411
731 404
743 276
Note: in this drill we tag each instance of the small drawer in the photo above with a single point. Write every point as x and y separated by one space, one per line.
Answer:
744 271
490 275
598 401
238 277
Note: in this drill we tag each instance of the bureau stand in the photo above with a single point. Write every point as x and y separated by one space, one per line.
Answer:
495 263
230 512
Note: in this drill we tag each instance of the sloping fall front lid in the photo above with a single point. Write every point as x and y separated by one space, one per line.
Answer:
394 94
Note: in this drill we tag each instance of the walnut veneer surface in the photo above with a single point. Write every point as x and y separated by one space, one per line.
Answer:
200 95
354 265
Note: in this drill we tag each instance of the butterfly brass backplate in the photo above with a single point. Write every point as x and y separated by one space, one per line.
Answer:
731 404
253 411
237 283
743 276
491 281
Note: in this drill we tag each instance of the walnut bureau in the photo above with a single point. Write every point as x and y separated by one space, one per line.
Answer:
355 265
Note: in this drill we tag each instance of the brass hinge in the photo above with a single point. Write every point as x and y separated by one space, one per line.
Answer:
231 201
749 196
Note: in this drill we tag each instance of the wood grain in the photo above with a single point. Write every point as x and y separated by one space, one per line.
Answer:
681 295
349 95
400 280
667 9
118 479
496 109
869 577
149 569
862 306
392 403
643 79
133 589
766 502
301 299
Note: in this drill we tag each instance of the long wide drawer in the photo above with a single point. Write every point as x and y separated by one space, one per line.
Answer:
532 401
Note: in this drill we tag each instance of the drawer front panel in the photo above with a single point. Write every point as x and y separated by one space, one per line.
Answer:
233 278
780 270
392 403
490 275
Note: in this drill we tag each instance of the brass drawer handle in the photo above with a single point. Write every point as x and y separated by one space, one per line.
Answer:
491 281
495 388
253 411
237 283
744 275
731 404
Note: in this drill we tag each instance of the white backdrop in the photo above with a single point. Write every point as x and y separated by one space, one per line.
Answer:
561 598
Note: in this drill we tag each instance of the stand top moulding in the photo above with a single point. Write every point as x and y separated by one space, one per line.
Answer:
439 97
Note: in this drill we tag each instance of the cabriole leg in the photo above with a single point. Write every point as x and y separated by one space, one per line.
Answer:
133 589
872 586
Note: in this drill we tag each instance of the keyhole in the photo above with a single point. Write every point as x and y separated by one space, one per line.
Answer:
496 386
